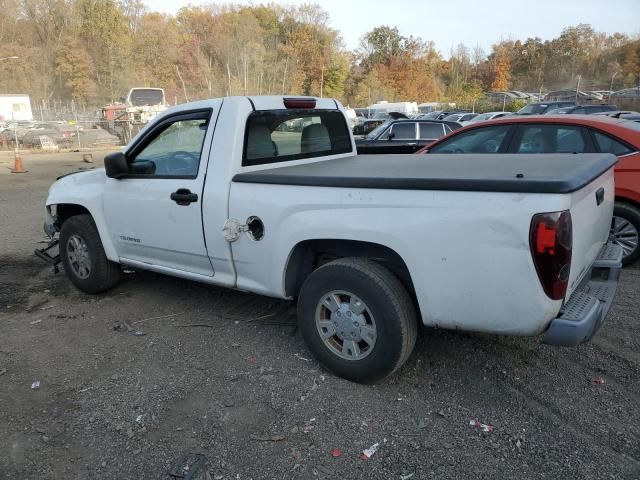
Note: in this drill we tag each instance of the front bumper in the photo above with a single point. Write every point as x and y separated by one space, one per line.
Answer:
584 313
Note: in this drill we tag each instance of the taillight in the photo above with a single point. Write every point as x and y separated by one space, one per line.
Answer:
551 242
300 103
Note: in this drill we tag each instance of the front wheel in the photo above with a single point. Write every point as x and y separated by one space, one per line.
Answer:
625 228
83 257
357 319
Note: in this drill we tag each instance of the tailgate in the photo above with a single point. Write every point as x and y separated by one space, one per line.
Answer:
591 210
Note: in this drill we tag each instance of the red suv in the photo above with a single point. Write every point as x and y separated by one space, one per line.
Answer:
566 134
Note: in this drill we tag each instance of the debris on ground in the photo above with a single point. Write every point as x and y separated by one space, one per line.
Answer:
482 426
3 371
367 453
35 385
336 452
308 425
35 322
407 477
300 357
139 419
188 466
598 381
124 327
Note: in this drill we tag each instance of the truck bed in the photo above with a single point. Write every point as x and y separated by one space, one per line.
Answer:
524 173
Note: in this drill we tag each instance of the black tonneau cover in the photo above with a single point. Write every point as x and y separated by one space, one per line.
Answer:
523 173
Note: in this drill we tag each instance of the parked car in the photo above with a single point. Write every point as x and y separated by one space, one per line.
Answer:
439 114
625 114
461 118
212 191
583 109
562 134
483 117
404 136
367 126
38 137
542 107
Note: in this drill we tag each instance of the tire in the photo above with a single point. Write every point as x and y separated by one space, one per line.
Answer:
625 227
387 310
94 273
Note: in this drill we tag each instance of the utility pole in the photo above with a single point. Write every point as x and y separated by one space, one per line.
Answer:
184 89
321 80
611 85
578 87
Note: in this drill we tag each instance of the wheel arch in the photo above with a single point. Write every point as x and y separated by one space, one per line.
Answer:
308 255
66 210
628 201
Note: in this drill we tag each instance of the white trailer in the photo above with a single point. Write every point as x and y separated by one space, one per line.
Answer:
401 107
15 107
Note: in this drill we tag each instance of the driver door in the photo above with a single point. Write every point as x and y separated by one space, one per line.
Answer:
154 213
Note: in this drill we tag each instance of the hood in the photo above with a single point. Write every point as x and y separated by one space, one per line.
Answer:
73 183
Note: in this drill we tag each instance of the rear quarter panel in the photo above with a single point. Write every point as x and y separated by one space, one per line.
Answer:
467 252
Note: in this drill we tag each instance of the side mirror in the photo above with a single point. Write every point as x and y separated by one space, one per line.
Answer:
116 165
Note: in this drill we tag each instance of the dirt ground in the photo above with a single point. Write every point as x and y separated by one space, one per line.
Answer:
225 374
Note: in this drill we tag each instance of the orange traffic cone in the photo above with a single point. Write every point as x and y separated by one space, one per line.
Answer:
18 167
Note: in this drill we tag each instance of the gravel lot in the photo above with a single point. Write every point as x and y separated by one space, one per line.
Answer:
226 374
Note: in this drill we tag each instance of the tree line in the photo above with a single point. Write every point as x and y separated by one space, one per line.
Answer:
92 52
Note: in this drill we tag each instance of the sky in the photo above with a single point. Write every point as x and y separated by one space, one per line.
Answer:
451 22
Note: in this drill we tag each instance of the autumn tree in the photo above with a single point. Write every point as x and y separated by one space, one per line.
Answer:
501 73
75 70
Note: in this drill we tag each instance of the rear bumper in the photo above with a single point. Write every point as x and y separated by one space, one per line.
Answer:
584 313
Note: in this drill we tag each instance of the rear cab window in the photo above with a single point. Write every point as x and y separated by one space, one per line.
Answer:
274 136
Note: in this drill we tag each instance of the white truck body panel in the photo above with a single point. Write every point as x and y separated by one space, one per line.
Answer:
440 235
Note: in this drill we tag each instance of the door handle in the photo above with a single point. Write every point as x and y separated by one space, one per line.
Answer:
412 144
183 196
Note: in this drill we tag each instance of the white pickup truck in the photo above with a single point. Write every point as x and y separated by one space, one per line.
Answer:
267 195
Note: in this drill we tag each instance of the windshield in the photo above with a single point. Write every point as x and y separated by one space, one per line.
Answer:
533 108
378 130
481 117
146 96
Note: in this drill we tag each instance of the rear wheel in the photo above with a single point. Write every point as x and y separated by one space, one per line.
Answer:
625 231
83 256
358 319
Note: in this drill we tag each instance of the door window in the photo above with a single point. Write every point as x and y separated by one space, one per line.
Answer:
403 131
174 152
478 140
429 131
551 139
607 144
